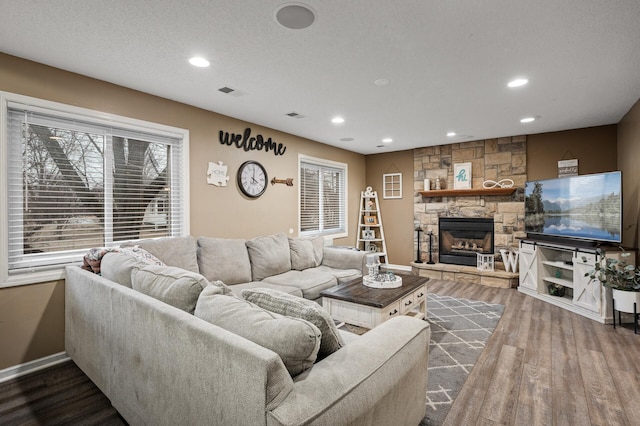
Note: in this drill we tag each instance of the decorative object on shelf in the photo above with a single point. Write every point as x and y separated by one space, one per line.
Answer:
624 281
370 220
427 185
486 262
368 234
392 185
287 181
418 257
430 262
372 247
369 192
510 260
252 179
502 183
368 206
556 290
217 174
462 176
438 184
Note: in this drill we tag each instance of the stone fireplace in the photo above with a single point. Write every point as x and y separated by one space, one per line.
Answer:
461 239
491 160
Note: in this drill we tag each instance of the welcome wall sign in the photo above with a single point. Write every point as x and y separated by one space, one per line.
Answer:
249 143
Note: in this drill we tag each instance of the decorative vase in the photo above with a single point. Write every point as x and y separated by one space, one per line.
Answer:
624 300
557 290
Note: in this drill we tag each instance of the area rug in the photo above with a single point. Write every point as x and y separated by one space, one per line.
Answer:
460 329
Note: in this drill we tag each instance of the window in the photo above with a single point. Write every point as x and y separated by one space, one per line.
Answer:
78 179
323 209
392 184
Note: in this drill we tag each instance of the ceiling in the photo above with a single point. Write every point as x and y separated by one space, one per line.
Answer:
447 62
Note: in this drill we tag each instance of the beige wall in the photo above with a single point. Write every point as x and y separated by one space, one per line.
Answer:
628 159
397 214
594 147
34 326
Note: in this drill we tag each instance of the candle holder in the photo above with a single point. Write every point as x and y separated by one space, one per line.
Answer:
430 262
418 257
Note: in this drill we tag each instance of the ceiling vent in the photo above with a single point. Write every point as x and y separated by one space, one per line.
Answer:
295 115
226 89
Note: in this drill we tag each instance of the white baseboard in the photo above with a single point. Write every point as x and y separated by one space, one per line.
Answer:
32 366
405 268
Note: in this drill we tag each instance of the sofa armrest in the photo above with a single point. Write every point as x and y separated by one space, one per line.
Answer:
341 258
378 379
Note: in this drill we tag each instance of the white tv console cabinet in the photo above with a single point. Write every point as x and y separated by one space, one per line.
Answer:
544 263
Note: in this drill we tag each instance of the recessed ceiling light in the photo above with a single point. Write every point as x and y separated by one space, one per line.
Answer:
295 16
381 82
517 82
337 120
387 140
528 119
451 134
197 61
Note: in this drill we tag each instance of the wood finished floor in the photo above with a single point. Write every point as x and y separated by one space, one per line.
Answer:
542 366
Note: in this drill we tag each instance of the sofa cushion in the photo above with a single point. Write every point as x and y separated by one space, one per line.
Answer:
296 341
224 259
311 283
342 275
238 288
174 286
174 251
302 254
297 307
318 249
269 256
117 267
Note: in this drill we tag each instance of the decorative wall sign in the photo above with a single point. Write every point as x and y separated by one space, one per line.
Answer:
462 176
502 183
249 143
392 185
568 168
217 174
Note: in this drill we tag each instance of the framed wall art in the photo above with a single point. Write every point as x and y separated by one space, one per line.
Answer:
370 220
392 185
462 176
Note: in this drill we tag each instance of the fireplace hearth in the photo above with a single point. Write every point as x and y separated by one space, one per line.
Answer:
461 239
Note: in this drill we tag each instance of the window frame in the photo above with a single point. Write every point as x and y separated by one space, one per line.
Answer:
320 162
73 113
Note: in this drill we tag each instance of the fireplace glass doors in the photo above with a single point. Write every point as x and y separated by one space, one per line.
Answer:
461 239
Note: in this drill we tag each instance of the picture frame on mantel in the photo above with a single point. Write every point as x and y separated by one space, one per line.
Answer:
462 176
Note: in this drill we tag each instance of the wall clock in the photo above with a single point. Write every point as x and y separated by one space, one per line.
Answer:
252 179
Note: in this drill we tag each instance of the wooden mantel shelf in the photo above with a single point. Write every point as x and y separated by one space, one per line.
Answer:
468 192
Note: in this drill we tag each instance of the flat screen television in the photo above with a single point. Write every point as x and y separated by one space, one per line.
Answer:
587 207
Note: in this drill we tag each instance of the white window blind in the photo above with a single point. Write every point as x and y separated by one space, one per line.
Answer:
322 197
74 184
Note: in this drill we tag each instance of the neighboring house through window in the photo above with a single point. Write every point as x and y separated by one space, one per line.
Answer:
323 195
77 179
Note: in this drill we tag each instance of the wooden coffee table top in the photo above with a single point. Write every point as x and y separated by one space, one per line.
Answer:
356 292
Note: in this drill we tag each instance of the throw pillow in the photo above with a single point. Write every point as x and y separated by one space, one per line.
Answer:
174 286
269 256
296 341
297 307
318 249
302 254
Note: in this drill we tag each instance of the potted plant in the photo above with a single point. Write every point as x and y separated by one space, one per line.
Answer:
622 278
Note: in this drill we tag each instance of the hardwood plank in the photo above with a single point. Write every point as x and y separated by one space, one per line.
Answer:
565 366
569 409
503 391
535 398
628 386
602 397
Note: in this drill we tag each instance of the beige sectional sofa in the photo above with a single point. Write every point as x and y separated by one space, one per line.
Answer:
160 364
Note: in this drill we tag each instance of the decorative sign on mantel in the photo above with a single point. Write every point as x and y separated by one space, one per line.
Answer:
249 143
